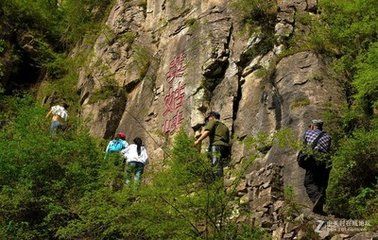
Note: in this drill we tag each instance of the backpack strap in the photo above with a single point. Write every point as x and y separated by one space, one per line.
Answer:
313 145
216 124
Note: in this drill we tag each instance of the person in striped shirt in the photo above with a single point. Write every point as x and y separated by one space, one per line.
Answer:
316 177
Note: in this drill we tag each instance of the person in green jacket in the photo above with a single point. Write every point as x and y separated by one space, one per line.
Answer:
219 136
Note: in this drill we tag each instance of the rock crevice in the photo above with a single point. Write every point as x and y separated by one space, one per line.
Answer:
178 60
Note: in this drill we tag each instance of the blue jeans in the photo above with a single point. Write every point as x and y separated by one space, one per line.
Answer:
218 154
55 125
134 169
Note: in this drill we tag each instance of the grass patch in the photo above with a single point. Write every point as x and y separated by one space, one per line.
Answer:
142 58
127 38
108 90
300 103
255 12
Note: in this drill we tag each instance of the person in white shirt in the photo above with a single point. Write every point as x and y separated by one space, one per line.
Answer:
136 158
59 117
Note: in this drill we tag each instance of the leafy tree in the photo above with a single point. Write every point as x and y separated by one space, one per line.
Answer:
353 186
365 82
180 201
40 176
347 32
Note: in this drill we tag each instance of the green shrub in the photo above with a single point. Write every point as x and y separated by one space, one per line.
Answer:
82 18
109 35
365 82
353 177
345 31
108 89
41 15
40 176
257 17
178 201
291 208
59 22
300 102
351 24
256 12
127 37
142 57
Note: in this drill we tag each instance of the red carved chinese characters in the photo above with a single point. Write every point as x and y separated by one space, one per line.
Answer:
176 68
175 97
170 125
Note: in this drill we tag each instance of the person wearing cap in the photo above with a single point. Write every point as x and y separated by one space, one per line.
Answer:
117 144
59 117
317 173
219 136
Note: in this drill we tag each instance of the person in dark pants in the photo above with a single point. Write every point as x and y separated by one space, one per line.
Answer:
317 173
219 135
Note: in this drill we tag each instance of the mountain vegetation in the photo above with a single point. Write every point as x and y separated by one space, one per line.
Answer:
62 188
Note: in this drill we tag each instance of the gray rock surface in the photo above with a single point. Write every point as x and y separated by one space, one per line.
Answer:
177 60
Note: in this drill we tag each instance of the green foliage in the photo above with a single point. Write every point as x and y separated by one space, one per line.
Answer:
128 37
64 21
2 45
344 28
193 24
109 35
142 57
256 12
291 207
346 32
261 142
256 17
286 138
41 15
49 29
179 201
352 189
108 89
365 82
82 17
352 24
63 78
300 102
63 89
292 212
40 176
58 67
9 107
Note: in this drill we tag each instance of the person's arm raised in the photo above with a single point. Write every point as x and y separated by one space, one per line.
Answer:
204 135
48 114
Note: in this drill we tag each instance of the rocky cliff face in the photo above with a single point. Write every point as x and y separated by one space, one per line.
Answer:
161 65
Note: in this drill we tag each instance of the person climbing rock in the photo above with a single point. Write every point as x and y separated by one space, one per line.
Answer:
117 144
318 168
59 118
219 136
136 158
